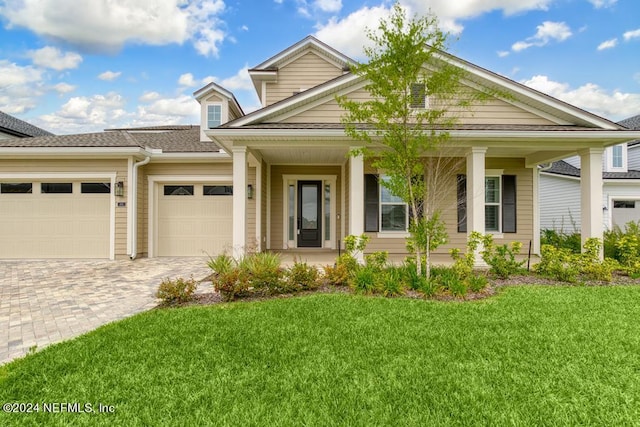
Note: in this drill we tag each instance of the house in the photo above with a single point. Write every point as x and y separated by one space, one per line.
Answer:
560 187
280 178
12 127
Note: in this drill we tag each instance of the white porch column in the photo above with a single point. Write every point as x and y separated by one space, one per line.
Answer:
475 195
239 200
475 189
591 194
356 197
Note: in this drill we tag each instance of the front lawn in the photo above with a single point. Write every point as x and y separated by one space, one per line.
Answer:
532 355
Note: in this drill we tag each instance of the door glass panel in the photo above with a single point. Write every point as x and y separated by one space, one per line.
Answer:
310 207
292 201
327 212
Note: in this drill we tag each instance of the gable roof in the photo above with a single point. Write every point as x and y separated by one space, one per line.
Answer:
19 128
631 122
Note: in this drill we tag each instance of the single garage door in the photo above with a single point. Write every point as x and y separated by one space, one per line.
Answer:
194 219
625 211
55 219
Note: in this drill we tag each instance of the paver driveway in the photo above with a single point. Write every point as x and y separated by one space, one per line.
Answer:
47 301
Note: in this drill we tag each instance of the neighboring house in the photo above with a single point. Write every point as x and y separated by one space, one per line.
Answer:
560 187
11 127
280 178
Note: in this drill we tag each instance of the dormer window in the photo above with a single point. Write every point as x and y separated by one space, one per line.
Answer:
418 95
214 116
616 156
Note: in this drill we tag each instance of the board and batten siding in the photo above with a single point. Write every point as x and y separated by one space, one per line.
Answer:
108 166
305 72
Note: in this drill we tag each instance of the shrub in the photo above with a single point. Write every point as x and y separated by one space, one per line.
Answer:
392 283
232 284
365 280
561 240
502 258
463 264
301 276
410 274
558 263
177 290
476 283
221 264
592 266
341 273
377 260
264 272
428 287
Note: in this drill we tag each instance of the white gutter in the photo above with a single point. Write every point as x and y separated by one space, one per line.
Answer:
133 185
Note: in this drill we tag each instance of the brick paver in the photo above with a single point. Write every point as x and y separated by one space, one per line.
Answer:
47 301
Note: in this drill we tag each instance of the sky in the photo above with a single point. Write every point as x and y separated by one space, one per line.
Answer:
72 66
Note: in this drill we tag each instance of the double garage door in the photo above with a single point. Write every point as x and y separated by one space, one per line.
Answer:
194 219
55 219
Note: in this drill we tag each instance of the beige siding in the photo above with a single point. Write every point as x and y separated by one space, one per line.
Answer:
305 72
493 111
119 166
277 203
524 190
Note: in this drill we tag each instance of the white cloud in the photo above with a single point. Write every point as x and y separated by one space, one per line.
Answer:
149 97
631 34
64 88
109 76
599 4
20 87
608 44
503 53
546 32
187 80
107 25
331 6
51 57
86 114
240 81
614 105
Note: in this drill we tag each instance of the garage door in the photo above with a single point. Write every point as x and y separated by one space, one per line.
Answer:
55 219
194 219
625 211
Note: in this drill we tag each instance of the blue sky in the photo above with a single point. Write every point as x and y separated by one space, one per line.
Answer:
74 66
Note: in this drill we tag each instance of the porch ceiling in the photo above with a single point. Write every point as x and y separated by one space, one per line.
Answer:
304 155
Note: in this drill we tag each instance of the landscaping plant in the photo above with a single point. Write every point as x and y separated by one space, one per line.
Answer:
177 290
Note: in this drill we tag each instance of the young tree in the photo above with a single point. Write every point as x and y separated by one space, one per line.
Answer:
414 99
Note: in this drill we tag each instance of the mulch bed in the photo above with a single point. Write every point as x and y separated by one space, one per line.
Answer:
213 297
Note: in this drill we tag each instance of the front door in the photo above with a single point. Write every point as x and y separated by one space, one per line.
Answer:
309 214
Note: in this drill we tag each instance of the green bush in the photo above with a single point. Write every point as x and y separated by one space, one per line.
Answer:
392 282
476 283
232 284
221 264
463 264
561 240
264 272
365 280
502 258
177 290
301 276
558 263
591 266
377 260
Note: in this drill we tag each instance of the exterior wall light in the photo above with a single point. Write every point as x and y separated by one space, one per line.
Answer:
119 190
249 191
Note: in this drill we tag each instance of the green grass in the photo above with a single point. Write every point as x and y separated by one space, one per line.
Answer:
529 356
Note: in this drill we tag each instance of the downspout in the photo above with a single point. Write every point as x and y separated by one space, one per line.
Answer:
134 208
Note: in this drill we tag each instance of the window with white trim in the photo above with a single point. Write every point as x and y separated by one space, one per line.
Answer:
214 115
616 156
492 203
394 213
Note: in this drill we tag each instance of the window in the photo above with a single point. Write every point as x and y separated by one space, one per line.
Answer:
178 190
292 207
214 116
327 212
500 204
418 95
624 204
16 188
217 190
56 188
393 211
616 156
95 187
492 203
